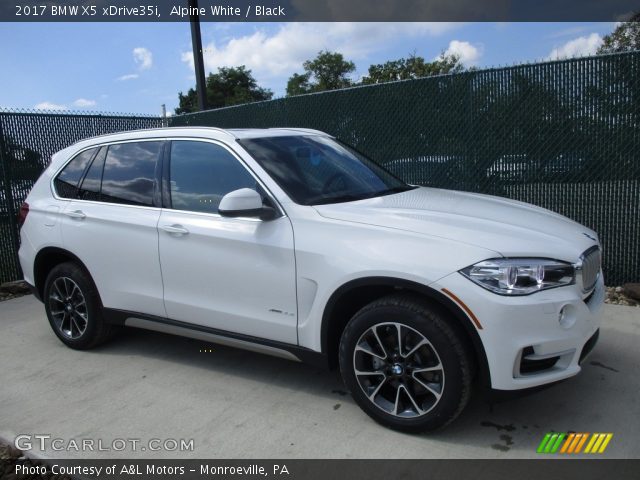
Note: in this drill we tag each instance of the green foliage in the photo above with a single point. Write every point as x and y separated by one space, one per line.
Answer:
412 68
328 71
625 38
298 84
230 86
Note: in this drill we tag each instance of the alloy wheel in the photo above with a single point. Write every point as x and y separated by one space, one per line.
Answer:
398 370
68 307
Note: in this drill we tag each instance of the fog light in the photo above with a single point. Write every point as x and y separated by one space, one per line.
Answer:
567 317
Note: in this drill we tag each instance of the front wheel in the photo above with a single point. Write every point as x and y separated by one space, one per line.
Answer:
405 366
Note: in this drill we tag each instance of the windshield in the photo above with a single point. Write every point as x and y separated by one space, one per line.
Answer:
315 170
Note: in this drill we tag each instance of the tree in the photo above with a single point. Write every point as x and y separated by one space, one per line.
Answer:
328 71
230 86
298 84
412 67
624 38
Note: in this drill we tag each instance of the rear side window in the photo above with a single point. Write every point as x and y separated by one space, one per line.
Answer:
90 186
66 183
202 173
129 173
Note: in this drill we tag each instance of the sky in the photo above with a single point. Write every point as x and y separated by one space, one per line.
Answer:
137 67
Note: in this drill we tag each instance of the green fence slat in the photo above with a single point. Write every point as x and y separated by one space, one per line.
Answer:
563 135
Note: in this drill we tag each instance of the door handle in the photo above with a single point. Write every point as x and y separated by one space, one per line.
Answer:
175 229
79 214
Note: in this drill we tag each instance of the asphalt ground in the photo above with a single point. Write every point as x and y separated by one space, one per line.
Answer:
229 403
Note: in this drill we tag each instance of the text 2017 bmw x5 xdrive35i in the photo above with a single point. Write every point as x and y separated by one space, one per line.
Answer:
289 242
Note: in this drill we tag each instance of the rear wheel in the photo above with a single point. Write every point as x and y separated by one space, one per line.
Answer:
405 366
73 307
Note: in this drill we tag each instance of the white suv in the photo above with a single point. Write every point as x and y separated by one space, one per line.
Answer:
288 242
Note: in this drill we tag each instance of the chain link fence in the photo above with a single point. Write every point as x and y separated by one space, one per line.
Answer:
27 141
564 135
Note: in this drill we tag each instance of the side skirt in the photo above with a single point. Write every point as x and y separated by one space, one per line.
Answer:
213 335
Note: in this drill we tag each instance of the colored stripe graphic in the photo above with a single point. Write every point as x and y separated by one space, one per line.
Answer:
568 442
581 443
543 443
599 443
572 443
578 437
591 442
556 445
550 443
608 438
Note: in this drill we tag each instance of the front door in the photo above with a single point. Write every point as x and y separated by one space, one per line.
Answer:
230 274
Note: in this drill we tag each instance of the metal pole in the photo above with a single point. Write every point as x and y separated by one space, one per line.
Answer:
198 63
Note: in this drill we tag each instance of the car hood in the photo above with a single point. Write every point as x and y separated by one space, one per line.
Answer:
508 227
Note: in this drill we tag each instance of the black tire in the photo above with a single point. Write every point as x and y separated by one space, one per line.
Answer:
452 381
96 330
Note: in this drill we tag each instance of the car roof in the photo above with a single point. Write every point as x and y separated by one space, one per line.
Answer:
187 132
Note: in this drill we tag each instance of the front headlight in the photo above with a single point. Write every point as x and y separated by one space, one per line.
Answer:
520 276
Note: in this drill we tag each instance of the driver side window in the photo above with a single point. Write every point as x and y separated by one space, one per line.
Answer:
201 173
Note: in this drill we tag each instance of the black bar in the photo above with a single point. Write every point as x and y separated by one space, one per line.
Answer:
319 11
198 63
119 469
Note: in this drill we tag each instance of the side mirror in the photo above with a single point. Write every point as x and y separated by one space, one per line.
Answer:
245 202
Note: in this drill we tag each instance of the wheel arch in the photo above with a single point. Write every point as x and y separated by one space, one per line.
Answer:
46 259
355 294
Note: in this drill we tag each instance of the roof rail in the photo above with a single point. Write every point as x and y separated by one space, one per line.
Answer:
221 130
217 129
303 130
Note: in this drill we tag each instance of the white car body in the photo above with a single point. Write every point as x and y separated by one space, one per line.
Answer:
275 281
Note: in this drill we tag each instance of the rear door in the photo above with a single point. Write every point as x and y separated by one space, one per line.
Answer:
231 274
111 225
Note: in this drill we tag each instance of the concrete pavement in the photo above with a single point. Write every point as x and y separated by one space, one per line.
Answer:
237 404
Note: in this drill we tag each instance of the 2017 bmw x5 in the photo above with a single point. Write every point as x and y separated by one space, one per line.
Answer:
289 242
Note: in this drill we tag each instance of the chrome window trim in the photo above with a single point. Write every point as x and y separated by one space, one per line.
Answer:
272 197
97 145
279 207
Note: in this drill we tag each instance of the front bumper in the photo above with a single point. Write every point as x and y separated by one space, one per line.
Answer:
525 342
